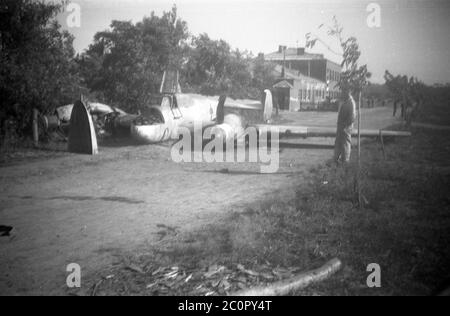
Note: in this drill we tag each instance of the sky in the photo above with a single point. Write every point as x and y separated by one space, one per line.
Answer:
412 38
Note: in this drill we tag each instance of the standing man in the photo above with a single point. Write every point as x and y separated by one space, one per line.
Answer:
346 118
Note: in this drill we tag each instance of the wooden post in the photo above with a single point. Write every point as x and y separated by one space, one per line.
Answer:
359 150
382 144
359 130
35 128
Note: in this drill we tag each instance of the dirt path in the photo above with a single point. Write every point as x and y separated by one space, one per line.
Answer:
87 209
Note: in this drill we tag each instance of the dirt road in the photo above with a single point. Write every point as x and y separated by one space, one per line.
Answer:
87 210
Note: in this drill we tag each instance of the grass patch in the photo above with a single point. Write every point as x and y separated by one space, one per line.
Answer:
405 226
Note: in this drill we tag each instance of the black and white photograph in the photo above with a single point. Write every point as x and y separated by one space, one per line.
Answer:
224 153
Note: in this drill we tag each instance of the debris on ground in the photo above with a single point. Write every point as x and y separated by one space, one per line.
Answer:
5 231
214 280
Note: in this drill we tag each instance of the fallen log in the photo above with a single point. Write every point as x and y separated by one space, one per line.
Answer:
296 283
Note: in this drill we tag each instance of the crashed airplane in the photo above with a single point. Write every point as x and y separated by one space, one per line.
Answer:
160 123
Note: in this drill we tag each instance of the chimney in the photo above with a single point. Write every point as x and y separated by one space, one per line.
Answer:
300 51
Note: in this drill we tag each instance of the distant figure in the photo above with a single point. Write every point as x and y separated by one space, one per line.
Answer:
408 116
403 108
395 108
346 118
410 113
276 100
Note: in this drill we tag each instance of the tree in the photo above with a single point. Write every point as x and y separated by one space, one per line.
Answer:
125 64
263 73
377 91
353 77
213 68
411 92
37 68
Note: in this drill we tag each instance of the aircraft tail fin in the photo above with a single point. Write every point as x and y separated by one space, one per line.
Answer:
220 114
82 137
268 105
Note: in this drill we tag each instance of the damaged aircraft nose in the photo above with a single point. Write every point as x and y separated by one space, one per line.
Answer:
231 128
150 134
150 127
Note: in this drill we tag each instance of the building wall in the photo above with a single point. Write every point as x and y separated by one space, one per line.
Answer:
307 95
322 69
312 77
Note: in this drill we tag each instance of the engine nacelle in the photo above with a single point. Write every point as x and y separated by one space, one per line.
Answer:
231 128
150 134
155 125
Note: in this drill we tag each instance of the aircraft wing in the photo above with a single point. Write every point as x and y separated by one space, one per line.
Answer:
244 104
65 112
288 131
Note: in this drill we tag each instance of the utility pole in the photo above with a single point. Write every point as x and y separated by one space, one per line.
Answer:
35 128
359 150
